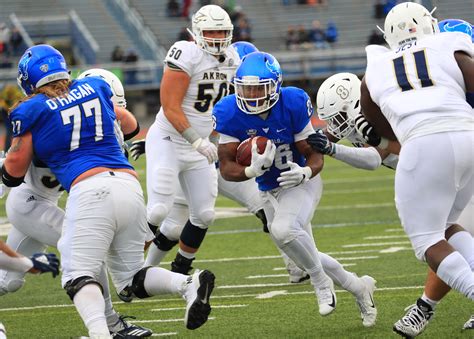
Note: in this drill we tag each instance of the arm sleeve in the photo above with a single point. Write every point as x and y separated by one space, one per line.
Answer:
305 132
17 264
360 157
225 139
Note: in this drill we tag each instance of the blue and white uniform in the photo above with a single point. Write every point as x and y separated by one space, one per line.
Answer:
72 135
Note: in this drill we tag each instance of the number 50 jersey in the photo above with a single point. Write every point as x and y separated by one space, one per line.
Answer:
419 87
210 81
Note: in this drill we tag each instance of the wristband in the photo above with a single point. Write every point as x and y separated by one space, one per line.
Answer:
383 143
190 135
250 172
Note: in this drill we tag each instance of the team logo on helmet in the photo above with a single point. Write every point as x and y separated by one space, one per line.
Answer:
23 66
44 68
198 17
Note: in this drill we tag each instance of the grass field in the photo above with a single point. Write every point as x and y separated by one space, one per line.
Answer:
356 223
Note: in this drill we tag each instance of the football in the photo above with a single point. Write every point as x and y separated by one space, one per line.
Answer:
244 151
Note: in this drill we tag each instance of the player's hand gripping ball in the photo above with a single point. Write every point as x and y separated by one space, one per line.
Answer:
244 151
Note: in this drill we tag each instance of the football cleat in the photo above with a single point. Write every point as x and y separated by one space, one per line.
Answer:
181 264
124 329
197 292
365 302
297 275
415 320
3 331
469 325
326 299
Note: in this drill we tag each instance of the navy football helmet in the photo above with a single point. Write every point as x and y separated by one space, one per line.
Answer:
257 83
40 65
243 48
456 25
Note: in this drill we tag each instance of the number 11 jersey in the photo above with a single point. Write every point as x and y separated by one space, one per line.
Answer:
210 81
419 87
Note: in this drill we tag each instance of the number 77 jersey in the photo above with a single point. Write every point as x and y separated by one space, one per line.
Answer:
210 82
419 87
73 133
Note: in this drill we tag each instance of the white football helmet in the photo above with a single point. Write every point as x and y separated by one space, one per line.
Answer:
211 18
338 103
114 82
407 22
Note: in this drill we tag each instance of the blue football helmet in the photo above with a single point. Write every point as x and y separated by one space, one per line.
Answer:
243 48
257 83
456 25
40 65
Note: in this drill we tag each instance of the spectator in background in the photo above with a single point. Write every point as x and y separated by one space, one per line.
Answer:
303 37
317 35
172 8
130 74
242 30
117 54
331 33
186 6
184 35
376 38
236 15
4 39
379 9
292 40
16 41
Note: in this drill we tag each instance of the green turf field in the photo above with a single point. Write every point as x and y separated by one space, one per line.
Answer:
355 223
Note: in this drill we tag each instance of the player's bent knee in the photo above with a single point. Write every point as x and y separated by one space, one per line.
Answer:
164 243
157 214
138 283
74 286
282 234
11 286
206 218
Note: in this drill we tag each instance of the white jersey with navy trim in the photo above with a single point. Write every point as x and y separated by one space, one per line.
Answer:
210 81
419 87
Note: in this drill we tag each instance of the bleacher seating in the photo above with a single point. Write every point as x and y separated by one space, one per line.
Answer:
103 27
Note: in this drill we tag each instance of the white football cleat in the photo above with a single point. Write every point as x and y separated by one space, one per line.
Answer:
326 298
365 302
3 332
415 320
197 291
469 325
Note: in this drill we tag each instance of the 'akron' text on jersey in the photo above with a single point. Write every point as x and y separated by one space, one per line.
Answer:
214 76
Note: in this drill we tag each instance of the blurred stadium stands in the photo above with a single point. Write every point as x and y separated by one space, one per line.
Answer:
87 31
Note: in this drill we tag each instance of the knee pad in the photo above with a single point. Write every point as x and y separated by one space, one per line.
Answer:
11 286
163 243
157 213
138 284
281 234
192 235
205 218
74 286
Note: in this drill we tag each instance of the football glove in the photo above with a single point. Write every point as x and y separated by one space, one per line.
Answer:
260 163
320 142
295 176
46 262
206 148
137 149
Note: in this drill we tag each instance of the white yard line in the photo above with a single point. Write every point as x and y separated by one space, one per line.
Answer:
164 320
374 244
379 237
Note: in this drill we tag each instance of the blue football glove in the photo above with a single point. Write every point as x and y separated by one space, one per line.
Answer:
137 149
320 142
46 262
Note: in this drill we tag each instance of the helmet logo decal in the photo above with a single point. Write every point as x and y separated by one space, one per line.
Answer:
44 68
23 65
342 92
199 17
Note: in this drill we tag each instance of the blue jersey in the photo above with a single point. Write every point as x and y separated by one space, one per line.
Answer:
72 134
290 115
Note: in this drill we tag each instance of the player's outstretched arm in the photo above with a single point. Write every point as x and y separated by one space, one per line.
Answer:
128 122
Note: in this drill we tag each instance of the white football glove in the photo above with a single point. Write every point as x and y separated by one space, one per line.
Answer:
206 148
295 176
260 163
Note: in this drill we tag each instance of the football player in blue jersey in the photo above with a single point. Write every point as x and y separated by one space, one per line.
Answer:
287 172
69 125
36 219
243 48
